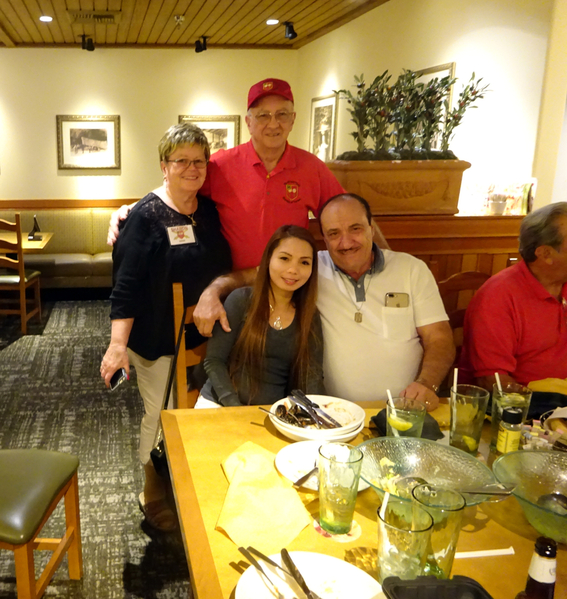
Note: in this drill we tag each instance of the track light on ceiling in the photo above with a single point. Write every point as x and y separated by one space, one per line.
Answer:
201 45
87 43
290 31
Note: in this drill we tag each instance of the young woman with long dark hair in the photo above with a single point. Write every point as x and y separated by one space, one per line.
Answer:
275 343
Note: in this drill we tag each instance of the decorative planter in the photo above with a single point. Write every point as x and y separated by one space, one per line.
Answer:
403 186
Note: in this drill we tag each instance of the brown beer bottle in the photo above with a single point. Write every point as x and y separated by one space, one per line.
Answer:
541 575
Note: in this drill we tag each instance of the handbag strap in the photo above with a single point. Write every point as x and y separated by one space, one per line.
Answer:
174 361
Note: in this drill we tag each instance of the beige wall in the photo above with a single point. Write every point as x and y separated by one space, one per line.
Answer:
147 88
503 41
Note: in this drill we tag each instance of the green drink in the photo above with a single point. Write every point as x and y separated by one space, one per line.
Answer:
405 418
339 473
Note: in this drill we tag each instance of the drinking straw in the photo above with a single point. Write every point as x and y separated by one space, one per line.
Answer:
484 553
498 383
391 402
384 504
455 376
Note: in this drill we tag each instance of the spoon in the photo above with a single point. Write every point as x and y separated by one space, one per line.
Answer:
407 484
556 502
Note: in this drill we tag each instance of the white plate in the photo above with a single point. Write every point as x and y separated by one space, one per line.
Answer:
329 577
297 459
347 413
310 434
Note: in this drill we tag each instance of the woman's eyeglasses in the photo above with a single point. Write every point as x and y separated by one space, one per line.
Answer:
184 163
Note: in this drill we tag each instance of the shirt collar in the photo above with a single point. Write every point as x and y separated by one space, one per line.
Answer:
376 267
537 288
286 161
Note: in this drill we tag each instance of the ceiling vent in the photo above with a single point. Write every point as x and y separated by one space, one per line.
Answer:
98 17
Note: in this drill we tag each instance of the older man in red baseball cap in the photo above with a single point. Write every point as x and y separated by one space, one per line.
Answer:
257 187
264 183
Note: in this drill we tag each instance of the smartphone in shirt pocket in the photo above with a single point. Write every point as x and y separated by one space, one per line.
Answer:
396 300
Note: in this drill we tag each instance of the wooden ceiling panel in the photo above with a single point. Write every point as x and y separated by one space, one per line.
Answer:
152 23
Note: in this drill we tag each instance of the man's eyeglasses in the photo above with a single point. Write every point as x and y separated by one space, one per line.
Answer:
184 163
282 116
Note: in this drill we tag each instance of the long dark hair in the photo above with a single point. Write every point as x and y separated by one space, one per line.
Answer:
248 352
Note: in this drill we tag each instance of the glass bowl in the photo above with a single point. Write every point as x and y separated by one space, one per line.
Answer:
536 473
387 460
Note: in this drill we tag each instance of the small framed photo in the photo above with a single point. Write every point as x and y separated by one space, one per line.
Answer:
223 132
438 71
323 127
88 142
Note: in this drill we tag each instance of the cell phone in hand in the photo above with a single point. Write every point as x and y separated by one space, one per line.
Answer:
118 378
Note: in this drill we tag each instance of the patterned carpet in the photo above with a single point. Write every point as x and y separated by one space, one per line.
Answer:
52 397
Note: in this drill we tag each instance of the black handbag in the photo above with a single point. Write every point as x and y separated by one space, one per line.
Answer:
158 455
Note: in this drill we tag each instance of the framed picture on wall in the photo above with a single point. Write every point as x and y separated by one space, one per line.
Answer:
323 127
439 71
223 132
88 142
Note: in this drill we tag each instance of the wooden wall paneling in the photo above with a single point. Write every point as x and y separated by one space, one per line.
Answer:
484 263
470 262
499 262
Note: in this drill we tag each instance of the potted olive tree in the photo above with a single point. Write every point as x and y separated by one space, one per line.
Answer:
403 164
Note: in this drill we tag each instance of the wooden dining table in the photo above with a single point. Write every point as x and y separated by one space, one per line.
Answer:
29 246
198 441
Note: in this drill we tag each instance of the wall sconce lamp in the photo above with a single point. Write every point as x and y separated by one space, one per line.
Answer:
201 45
290 31
87 43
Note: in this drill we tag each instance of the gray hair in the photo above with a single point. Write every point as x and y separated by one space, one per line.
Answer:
183 134
540 228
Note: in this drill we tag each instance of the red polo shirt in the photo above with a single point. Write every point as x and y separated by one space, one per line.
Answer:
513 325
253 203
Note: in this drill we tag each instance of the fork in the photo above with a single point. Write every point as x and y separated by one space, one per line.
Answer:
262 572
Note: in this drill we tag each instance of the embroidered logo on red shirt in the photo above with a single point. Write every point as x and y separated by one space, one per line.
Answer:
291 192
268 85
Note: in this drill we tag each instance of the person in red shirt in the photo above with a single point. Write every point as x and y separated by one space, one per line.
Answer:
257 187
516 324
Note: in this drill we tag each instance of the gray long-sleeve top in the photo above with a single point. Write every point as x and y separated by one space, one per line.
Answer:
278 359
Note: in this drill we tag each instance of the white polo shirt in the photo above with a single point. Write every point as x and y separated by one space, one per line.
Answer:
363 359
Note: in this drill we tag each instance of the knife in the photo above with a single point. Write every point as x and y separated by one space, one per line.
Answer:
303 479
261 570
268 560
286 558
300 395
319 422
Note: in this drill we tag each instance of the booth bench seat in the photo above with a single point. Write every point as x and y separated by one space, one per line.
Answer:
77 254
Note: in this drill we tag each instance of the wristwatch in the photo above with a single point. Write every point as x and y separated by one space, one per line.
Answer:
434 388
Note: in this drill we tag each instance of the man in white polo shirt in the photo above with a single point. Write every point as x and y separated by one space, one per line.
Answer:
384 324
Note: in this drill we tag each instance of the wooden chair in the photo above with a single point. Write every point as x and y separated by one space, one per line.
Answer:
186 398
456 293
14 276
33 483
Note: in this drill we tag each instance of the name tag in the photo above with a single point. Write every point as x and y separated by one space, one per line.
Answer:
181 235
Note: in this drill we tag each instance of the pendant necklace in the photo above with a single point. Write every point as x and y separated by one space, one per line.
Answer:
277 324
358 313
190 217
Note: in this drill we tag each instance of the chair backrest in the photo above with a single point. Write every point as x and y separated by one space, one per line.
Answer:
11 243
456 293
186 398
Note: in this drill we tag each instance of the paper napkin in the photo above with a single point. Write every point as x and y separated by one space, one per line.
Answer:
261 508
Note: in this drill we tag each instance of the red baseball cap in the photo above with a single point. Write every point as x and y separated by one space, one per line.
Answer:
269 87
